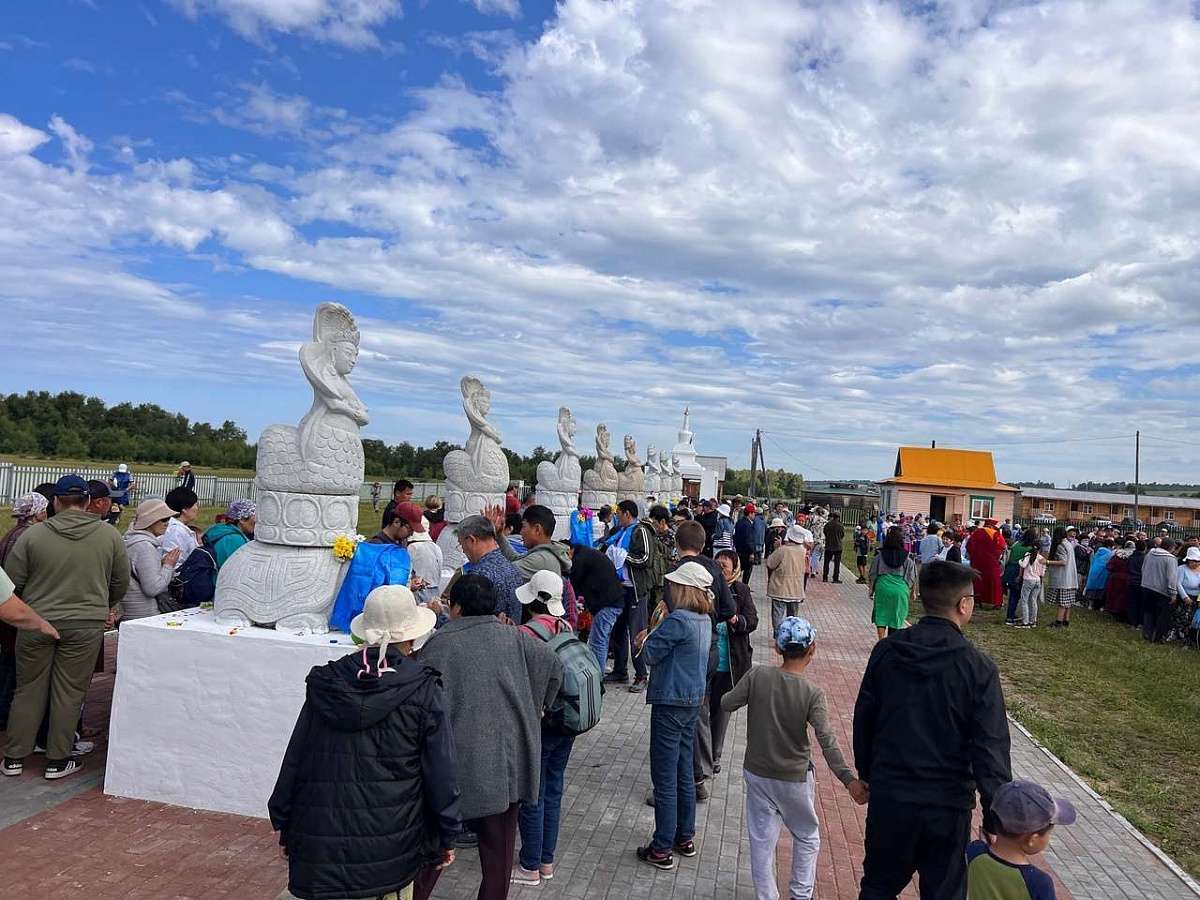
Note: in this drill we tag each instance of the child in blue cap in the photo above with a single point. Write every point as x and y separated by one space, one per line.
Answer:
778 769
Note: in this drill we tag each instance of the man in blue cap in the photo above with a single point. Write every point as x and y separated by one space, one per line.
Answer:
72 570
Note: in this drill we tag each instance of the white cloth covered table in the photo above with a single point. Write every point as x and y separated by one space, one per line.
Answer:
201 716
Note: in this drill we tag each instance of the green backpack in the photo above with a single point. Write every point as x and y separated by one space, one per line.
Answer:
577 707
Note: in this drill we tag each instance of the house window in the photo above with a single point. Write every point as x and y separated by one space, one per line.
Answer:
1074 507
1128 513
981 507
1087 509
1048 506
1169 515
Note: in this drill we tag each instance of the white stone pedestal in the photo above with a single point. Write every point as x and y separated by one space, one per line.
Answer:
562 504
201 717
593 500
452 555
462 503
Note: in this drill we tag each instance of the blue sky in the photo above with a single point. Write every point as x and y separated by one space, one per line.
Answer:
849 224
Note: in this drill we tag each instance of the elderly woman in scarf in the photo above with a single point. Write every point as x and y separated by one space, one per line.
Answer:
30 509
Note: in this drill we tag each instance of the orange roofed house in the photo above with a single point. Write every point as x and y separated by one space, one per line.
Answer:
952 486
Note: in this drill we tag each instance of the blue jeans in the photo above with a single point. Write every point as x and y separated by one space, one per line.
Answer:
672 734
539 823
602 626
1014 598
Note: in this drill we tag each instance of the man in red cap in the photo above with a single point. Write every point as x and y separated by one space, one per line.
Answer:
405 525
986 548
749 538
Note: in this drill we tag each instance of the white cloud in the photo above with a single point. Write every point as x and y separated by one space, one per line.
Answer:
75 145
510 8
351 23
831 221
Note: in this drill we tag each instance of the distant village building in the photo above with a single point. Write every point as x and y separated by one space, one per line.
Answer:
703 476
946 485
862 495
1090 506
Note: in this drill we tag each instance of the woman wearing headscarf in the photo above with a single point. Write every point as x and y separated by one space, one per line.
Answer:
892 583
28 510
1097 578
150 572
1116 589
734 654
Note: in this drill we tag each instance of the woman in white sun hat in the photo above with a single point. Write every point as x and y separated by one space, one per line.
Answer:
677 653
543 615
367 796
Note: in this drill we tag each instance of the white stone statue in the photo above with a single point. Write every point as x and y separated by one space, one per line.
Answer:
306 490
653 472
676 478
558 482
476 476
631 483
600 481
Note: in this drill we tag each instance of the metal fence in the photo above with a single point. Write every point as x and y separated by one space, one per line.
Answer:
212 490
1178 532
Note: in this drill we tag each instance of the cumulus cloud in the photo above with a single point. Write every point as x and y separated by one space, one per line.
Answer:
850 224
351 23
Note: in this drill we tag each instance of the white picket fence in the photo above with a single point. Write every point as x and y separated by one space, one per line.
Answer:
16 480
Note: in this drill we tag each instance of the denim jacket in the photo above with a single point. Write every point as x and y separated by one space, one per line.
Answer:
677 653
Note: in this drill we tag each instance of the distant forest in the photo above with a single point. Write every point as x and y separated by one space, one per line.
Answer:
72 426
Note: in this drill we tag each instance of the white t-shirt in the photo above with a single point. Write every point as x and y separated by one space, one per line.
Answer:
178 535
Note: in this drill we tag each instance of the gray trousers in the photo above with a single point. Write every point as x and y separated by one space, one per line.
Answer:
780 609
1027 606
770 806
702 749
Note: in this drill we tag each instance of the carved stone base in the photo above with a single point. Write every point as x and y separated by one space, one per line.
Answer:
462 503
638 498
304 520
452 555
292 588
593 500
562 504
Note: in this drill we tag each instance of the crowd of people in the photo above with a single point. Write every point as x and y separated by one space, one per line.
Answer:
454 722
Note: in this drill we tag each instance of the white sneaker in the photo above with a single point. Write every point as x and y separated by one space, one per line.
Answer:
521 875
70 767
83 748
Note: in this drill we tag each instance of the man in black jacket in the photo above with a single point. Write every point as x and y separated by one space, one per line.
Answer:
594 578
835 535
929 730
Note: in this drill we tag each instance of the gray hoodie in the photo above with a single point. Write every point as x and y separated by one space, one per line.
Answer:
1160 572
148 576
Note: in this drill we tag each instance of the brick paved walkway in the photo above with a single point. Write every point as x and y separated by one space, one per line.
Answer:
132 849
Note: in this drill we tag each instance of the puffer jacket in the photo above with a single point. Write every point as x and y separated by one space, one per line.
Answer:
148 577
367 794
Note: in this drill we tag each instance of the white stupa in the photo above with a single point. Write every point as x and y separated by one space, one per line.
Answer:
706 481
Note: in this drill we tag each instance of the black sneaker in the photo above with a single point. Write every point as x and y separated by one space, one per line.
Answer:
13 766
56 770
701 791
660 859
1010 622
687 848
610 678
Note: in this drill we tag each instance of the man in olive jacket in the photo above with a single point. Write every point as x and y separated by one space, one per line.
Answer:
73 571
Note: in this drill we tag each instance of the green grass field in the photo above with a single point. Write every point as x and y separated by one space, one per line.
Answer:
1123 714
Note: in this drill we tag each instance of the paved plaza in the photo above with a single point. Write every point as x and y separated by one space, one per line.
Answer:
64 837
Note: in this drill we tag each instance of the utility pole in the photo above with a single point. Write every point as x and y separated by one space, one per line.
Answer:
754 453
1137 473
766 475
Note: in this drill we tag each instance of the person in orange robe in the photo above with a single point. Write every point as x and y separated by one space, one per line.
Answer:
985 548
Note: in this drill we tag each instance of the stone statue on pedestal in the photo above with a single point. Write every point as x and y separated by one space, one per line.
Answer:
558 482
653 473
631 483
307 484
600 481
477 475
676 478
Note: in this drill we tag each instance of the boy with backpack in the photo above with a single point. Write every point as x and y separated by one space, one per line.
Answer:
576 710
778 769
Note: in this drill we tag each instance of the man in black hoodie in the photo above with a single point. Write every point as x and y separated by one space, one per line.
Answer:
929 730
367 796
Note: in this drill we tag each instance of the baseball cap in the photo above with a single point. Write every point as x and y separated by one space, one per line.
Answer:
410 513
98 490
71 486
546 586
1023 807
795 631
